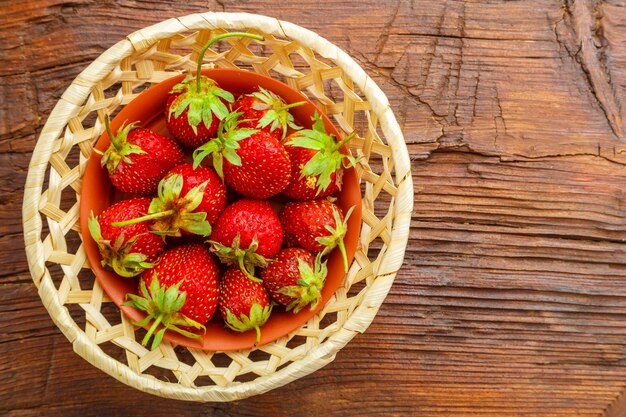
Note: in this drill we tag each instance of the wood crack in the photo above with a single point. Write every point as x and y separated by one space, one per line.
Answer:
586 33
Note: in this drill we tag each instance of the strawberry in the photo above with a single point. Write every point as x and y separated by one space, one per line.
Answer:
267 111
295 279
194 109
197 104
247 233
127 250
318 226
251 161
138 158
182 289
188 201
316 162
244 303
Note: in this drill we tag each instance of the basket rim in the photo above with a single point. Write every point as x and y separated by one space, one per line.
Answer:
73 98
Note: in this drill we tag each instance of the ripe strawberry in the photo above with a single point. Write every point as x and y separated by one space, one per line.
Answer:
194 110
182 289
316 162
251 161
189 200
267 111
138 158
318 226
127 250
244 303
246 234
295 279
196 105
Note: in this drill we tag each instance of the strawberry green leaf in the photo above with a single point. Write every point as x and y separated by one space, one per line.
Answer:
306 142
194 115
218 164
94 227
201 103
195 223
257 318
162 304
308 290
328 159
173 213
232 156
318 123
220 110
119 150
245 258
212 147
226 95
337 233
194 197
225 145
235 136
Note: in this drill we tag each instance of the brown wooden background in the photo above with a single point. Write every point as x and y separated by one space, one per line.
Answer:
512 300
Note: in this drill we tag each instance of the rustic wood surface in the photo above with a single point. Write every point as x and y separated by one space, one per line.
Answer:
512 300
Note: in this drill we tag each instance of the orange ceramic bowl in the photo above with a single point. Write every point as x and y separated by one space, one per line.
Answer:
98 193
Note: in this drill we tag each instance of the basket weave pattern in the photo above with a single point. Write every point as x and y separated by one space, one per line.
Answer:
59 267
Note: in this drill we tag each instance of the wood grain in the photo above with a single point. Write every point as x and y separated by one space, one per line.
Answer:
511 301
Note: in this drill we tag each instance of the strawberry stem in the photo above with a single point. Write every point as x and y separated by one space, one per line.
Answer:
107 126
144 218
288 106
258 335
342 249
212 41
151 331
344 141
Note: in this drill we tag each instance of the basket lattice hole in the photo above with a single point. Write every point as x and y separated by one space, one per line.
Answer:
255 365
114 350
329 319
159 372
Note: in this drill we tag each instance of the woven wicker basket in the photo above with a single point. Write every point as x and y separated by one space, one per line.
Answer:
57 261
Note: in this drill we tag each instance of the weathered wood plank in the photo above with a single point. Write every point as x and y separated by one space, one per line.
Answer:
511 301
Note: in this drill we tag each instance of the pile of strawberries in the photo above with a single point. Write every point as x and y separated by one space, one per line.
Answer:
233 212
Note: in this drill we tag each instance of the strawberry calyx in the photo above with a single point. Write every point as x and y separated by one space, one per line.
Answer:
277 111
201 99
117 255
225 145
245 258
172 213
337 233
119 149
162 305
308 288
328 158
257 318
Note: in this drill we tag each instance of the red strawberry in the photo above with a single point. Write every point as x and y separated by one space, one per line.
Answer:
188 201
246 234
244 303
251 161
196 104
127 250
318 226
181 290
266 111
316 162
193 114
295 279
138 158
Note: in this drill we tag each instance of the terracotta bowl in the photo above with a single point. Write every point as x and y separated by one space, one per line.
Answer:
98 194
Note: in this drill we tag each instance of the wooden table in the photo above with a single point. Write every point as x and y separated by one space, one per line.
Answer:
512 300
